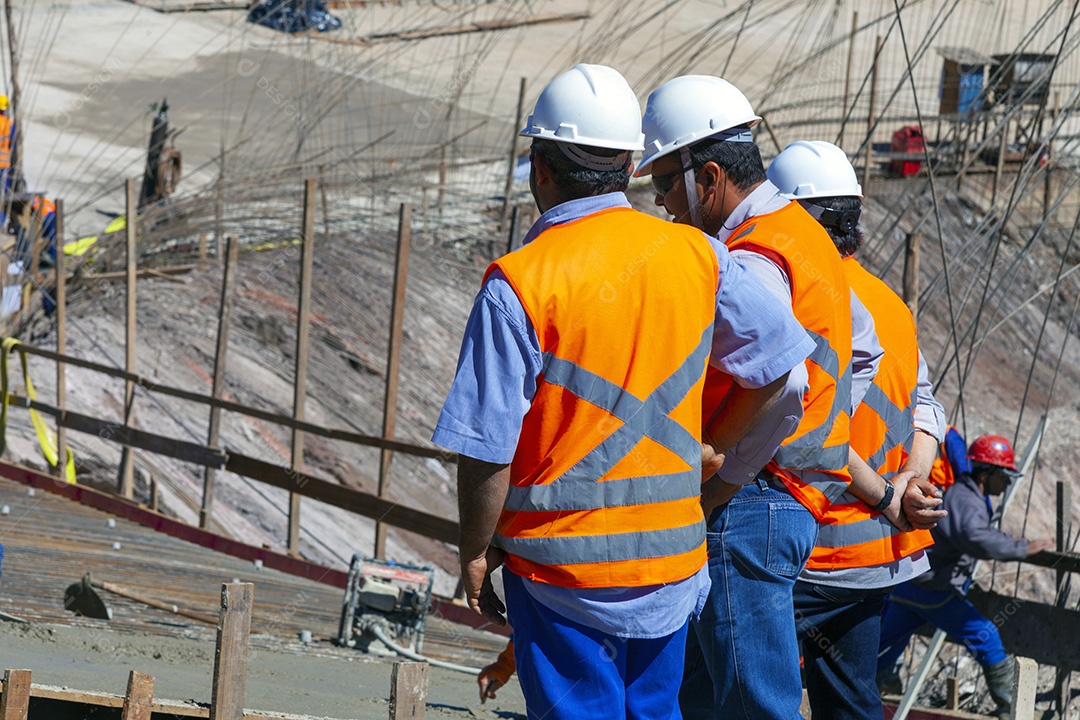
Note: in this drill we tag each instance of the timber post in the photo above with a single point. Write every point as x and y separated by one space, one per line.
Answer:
393 362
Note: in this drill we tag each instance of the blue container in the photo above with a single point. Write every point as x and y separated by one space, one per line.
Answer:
971 85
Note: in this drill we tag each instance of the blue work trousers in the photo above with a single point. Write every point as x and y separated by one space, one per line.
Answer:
910 606
569 671
742 655
839 630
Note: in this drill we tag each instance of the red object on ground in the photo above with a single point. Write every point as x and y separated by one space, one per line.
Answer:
907 139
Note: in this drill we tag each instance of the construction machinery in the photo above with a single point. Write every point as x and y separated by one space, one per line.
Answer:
385 600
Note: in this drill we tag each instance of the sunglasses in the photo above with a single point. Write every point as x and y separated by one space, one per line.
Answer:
662 184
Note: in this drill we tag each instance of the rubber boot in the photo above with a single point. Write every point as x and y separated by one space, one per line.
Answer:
999 679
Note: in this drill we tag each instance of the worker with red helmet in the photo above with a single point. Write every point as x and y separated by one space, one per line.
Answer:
939 595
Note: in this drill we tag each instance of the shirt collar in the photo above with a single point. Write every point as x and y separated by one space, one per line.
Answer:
575 210
765 198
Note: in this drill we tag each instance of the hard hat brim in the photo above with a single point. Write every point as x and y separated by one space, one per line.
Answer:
685 142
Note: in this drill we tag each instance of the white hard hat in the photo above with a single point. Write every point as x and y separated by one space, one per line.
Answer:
690 108
588 105
808 169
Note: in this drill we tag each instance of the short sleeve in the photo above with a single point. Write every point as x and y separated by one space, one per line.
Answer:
495 380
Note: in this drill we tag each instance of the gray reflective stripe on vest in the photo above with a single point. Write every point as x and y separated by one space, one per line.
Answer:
836 536
576 549
576 494
578 489
825 483
806 452
899 427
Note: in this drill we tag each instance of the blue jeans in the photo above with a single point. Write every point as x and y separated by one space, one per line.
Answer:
742 656
839 629
910 606
569 671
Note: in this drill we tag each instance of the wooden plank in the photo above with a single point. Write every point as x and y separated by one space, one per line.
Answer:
130 437
169 708
15 100
139 698
1025 688
307 427
515 224
509 188
847 73
1047 634
127 460
122 274
870 116
952 693
480 26
230 655
911 272
303 325
1002 145
1060 561
15 702
155 603
408 690
228 289
1062 693
923 713
393 360
361 503
61 338
1063 521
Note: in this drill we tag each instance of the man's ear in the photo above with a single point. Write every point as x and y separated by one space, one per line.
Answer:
542 169
711 176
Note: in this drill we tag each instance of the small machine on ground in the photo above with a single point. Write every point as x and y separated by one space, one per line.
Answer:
385 599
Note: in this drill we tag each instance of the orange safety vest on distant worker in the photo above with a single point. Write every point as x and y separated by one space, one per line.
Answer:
605 483
852 534
6 126
812 461
46 205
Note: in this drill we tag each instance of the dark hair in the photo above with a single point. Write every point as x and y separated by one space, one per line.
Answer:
741 161
980 471
846 241
575 181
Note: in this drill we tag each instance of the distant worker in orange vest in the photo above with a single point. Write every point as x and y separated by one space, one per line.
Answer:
862 552
952 461
576 412
43 216
7 146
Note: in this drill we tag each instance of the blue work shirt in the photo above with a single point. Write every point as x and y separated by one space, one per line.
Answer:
756 339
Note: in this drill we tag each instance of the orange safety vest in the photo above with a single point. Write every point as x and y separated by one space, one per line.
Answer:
45 204
812 461
6 126
851 534
941 474
605 483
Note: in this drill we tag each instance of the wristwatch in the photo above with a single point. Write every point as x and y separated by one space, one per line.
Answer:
887 500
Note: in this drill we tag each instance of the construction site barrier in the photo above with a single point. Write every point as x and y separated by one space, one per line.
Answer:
300 483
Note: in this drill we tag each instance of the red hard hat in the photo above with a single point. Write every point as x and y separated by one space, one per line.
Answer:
992 450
